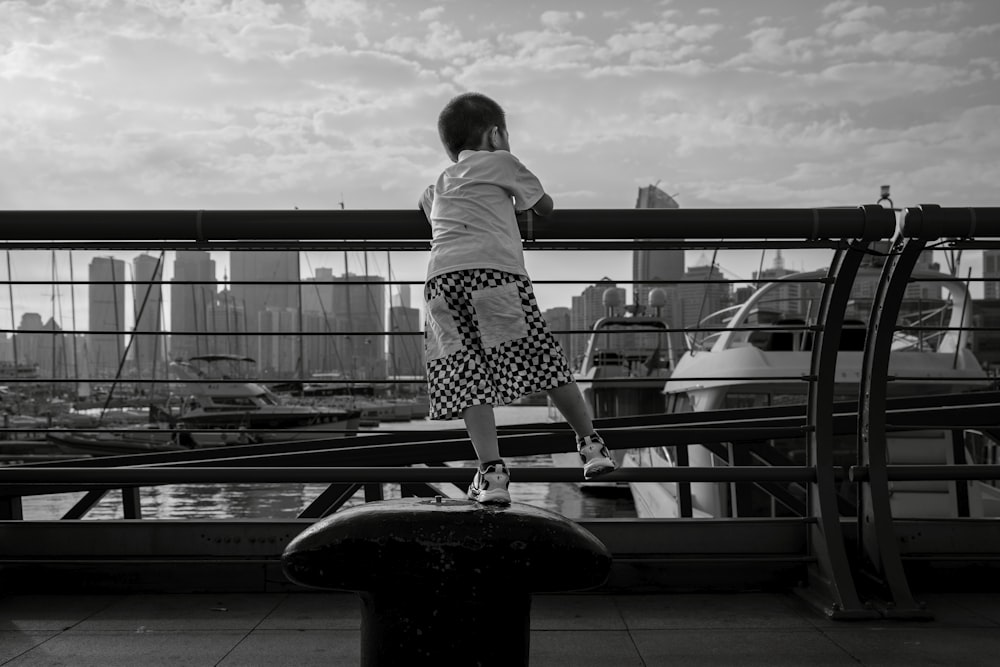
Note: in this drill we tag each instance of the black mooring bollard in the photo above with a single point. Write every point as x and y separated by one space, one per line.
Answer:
446 582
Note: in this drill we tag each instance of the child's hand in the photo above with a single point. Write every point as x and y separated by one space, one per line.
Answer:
544 206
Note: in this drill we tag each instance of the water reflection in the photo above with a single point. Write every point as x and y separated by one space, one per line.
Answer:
286 501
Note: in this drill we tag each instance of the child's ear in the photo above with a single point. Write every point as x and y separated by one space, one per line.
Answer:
494 137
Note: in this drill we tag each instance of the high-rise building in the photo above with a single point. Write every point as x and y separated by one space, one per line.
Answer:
649 266
561 319
700 299
406 346
360 305
402 296
42 345
192 292
148 349
322 346
352 309
991 273
266 284
107 315
273 280
227 326
279 354
7 348
789 296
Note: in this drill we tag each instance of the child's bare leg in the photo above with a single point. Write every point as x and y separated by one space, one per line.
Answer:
570 402
490 482
482 427
596 458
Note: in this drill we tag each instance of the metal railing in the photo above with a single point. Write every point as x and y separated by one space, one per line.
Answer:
836 550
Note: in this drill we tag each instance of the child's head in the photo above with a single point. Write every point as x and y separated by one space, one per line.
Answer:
466 119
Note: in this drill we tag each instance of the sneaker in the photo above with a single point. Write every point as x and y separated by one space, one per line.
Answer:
489 486
595 456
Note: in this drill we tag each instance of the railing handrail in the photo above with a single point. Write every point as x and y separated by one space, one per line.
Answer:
863 222
930 222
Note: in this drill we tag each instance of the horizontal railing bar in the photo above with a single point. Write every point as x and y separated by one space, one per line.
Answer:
305 282
410 246
271 381
929 473
394 381
670 435
949 378
931 222
241 332
30 475
868 222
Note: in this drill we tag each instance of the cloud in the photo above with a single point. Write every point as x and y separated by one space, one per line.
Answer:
430 13
336 12
658 43
946 13
441 42
560 20
770 45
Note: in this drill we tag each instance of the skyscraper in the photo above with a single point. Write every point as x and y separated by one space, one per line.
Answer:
406 352
347 304
659 265
991 272
265 283
107 314
192 291
698 300
792 295
147 300
360 306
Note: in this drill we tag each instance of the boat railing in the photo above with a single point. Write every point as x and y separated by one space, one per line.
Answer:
831 550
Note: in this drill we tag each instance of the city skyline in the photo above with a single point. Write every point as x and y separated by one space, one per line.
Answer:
251 104
322 304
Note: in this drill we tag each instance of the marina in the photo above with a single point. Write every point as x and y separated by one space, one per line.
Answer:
820 529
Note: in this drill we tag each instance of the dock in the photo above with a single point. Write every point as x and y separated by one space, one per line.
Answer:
305 629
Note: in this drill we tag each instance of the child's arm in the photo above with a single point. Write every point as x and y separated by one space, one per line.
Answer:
543 206
426 199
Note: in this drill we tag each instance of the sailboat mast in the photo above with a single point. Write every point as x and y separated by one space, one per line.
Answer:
302 349
52 383
13 323
72 307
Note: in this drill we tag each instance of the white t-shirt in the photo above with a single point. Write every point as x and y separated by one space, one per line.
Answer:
471 211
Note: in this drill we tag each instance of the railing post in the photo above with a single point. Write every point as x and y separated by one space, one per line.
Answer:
876 536
832 571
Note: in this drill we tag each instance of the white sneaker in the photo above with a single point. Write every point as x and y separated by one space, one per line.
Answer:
595 456
489 486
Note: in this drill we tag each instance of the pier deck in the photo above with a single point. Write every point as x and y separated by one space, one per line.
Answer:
231 629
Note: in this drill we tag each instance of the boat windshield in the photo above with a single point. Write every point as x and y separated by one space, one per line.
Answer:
781 316
635 346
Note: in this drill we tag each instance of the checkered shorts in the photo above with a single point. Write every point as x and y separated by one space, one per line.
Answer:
486 342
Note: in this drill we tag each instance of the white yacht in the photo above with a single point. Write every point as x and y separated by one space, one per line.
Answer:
626 362
765 350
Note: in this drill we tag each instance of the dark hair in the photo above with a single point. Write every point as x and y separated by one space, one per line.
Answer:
464 119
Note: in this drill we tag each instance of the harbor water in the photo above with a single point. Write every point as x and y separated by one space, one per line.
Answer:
286 501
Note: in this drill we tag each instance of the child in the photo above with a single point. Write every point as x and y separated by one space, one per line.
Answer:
485 340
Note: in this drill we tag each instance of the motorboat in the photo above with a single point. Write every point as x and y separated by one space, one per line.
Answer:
626 362
214 403
761 358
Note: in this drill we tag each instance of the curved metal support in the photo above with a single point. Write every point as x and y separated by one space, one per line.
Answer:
877 539
833 569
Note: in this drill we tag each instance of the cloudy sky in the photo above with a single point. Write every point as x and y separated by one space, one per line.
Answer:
254 104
